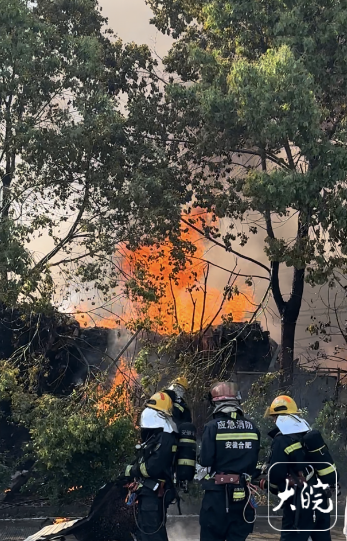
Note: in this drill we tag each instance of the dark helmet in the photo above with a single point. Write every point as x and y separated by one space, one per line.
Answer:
223 391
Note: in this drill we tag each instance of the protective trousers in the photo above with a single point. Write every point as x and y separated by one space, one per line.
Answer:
218 525
306 524
151 515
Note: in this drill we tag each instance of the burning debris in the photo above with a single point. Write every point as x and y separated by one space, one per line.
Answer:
68 357
245 347
72 489
109 519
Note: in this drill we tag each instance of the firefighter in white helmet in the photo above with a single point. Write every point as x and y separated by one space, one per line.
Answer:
153 471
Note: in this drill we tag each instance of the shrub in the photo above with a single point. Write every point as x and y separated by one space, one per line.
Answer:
332 422
78 442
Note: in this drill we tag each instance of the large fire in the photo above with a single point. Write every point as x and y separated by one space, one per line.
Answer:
187 302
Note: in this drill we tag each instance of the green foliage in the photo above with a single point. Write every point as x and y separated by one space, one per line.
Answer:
332 422
266 95
259 131
78 441
144 366
75 165
269 121
158 360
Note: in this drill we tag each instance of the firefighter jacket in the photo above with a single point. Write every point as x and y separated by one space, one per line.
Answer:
289 456
157 457
230 444
181 412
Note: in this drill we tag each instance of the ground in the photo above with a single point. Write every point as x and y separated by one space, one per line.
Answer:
179 528
188 529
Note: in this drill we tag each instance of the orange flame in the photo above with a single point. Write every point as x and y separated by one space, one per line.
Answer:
121 387
186 301
86 319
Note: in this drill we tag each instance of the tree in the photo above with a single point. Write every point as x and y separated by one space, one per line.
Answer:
257 127
78 177
76 171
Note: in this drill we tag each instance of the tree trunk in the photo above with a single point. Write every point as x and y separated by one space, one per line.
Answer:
5 207
289 316
287 351
289 311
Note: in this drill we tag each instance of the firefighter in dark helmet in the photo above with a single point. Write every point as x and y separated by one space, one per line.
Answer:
230 447
153 471
301 467
177 391
186 452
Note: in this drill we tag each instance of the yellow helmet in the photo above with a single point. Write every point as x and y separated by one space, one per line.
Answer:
160 402
282 405
182 381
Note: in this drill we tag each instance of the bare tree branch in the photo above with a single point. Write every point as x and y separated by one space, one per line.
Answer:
228 270
222 303
225 247
175 304
193 315
204 299
39 266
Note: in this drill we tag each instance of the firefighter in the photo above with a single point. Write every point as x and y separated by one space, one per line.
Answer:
229 448
294 446
153 471
177 391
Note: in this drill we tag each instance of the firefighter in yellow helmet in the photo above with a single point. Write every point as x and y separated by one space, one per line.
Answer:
177 392
294 446
153 472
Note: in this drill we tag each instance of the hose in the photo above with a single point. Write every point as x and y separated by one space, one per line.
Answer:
252 490
163 522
